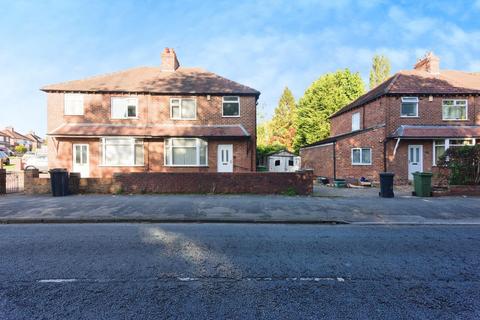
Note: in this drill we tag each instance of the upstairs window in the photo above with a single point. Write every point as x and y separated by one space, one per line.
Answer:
73 105
361 156
356 121
454 109
409 107
231 106
124 108
183 109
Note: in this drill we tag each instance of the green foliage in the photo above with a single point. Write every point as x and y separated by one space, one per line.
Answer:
263 150
282 126
380 70
464 164
323 98
20 149
290 192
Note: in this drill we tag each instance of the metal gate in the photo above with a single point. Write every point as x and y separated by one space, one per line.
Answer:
14 182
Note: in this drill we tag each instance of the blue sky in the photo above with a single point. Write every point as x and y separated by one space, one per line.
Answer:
264 44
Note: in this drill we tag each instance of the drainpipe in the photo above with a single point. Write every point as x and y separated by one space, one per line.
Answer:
334 161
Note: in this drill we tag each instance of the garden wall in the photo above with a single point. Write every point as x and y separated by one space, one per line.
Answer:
300 183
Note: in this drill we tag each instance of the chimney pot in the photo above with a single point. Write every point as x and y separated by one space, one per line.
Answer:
169 61
429 63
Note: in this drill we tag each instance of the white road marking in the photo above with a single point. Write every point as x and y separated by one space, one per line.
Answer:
56 280
187 279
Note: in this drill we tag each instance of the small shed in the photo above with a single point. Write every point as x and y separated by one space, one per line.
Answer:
283 161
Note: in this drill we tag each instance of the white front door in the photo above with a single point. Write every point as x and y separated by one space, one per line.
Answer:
415 160
80 160
225 158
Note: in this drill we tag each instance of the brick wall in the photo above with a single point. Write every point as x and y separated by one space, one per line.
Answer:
371 115
319 159
152 109
61 157
3 181
429 112
248 182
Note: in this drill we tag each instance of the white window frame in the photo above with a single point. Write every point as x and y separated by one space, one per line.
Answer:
180 104
69 97
126 106
168 148
447 145
454 101
133 142
361 157
356 116
412 99
223 101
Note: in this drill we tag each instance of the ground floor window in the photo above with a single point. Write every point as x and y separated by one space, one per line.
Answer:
361 156
440 145
121 151
186 152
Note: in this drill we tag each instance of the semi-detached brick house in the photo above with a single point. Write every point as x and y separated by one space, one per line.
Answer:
403 125
160 119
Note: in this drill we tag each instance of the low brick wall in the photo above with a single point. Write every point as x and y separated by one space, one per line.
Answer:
3 181
467 190
249 182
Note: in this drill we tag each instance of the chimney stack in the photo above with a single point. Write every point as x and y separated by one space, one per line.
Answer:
429 63
169 60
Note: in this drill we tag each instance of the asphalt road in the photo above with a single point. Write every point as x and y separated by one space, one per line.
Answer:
238 271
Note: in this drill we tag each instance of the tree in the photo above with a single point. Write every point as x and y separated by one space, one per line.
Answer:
380 70
20 149
323 98
282 125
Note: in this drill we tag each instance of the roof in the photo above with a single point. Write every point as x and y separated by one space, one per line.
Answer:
34 137
154 80
14 134
282 153
441 131
422 83
99 129
341 136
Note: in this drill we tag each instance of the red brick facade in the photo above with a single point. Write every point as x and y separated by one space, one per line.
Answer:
152 109
384 112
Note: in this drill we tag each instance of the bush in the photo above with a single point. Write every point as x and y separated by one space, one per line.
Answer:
464 164
20 149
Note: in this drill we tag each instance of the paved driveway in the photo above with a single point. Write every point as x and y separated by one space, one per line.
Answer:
238 208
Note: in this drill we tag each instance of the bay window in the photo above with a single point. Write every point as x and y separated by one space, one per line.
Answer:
441 145
124 108
122 151
183 109
361 156
454 109
186 152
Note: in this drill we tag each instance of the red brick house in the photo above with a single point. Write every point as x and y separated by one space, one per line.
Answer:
403 125
152 119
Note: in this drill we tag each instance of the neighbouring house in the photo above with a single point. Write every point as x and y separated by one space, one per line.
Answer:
283 161
4 140
152 119
36 140
402 126
17 138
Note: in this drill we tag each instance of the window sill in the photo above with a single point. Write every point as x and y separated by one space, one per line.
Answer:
361 164
455 120
185 166
129 118
409 117
223 116
121 165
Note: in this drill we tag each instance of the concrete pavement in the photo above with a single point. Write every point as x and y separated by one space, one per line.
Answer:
239 208
238 271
